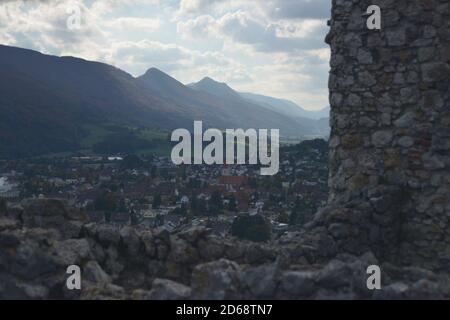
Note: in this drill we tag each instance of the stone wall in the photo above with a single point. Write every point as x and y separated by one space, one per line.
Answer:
41 238
390 118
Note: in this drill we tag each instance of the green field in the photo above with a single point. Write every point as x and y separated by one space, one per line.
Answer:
110 139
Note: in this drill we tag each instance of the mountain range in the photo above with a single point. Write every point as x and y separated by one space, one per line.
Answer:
52 104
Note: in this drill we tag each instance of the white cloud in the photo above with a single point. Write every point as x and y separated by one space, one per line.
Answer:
200 27
42 25
102 7
299 78
241 27
276 9
300 29
126 23
184 64
298 9
196 6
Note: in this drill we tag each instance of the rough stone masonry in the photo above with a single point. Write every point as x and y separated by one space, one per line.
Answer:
390 138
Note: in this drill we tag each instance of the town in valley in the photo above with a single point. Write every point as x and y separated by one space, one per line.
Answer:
149 191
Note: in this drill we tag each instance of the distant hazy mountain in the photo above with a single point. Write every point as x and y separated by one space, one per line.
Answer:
220 106
54 104
286 106
323 126
214 87
312 122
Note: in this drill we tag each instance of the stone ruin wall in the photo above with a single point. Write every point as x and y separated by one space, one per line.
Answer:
42 237
390 118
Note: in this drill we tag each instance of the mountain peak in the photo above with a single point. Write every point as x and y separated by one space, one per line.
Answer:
154 72
158 78
210 80
214 87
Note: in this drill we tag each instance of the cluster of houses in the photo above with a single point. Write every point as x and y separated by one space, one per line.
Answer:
158 194
9 190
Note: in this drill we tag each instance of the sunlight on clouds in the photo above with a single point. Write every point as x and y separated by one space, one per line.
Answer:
298 29
242 27
184 64
200 27
102 7
322 54
196 6
133 23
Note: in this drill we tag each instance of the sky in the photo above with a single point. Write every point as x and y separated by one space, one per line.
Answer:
270 47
